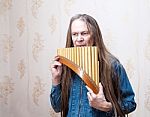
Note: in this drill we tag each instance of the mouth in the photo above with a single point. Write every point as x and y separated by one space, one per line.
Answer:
80 45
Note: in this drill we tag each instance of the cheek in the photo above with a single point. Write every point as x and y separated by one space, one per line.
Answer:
90 42
73 42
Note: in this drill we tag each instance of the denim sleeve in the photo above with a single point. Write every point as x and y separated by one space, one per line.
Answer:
128 103
55 98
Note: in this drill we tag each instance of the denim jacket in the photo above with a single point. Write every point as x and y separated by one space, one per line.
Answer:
78 101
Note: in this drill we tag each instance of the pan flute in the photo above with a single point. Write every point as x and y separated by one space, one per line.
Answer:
84 62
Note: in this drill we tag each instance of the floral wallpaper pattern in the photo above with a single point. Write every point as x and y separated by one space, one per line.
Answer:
5 5
6 88
52 23
67 5
32 30
7 46
36 4
21 68
21 25
37 47
38 90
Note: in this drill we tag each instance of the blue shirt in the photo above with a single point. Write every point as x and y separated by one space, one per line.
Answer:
78 101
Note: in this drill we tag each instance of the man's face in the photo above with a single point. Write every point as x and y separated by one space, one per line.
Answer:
81 36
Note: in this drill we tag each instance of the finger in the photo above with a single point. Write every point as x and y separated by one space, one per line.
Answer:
89 89
55 64
92 94
100 88
89 96
56 58
55 68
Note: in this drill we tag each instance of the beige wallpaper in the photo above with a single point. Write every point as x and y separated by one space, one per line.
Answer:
32 30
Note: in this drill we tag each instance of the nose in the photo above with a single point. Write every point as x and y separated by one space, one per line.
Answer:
79 37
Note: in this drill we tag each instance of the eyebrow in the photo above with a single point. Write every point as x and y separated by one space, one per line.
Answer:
80 32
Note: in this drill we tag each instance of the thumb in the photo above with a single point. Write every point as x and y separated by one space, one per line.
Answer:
100 89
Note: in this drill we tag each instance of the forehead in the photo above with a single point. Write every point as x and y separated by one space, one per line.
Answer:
79 25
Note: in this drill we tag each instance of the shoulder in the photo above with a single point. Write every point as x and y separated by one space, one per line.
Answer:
117 66
115 63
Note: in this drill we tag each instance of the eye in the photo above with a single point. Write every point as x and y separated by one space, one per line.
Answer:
74 34
84 33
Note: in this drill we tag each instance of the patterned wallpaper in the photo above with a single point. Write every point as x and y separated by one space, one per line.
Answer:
32 30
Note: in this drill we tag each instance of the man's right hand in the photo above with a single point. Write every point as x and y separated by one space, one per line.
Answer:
56 70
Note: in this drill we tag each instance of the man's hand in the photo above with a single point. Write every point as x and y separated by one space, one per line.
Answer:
98 101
